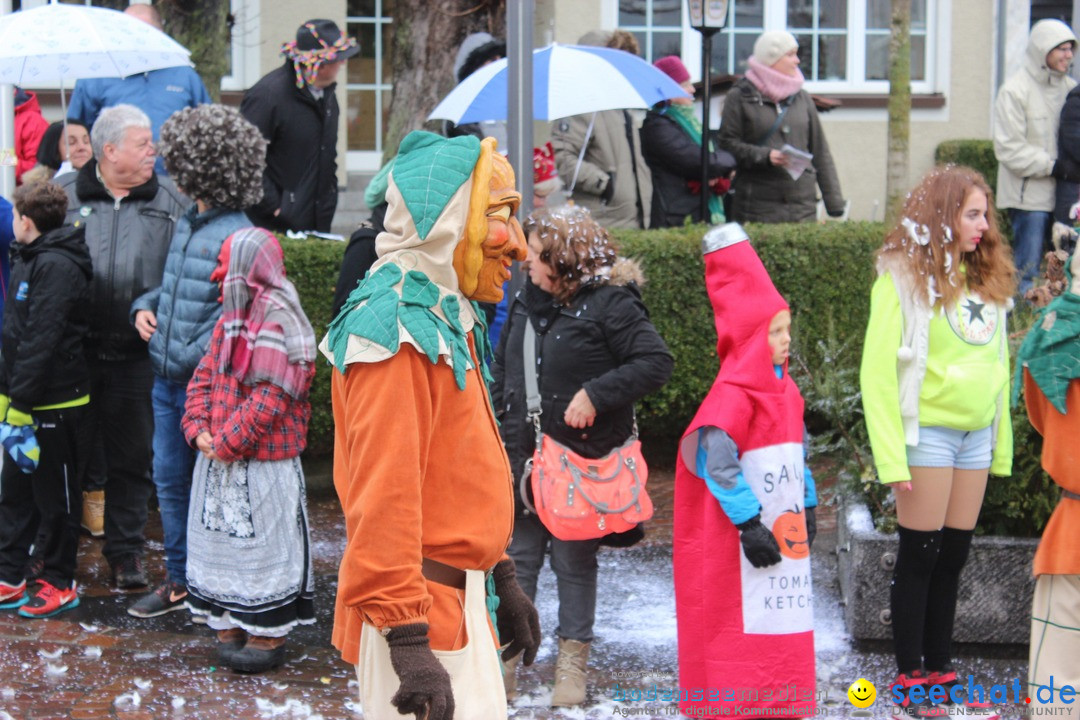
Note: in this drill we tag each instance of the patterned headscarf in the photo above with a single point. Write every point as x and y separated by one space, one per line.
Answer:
308 61
267 335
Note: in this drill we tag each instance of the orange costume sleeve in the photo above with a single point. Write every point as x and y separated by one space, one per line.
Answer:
420 472
1061 459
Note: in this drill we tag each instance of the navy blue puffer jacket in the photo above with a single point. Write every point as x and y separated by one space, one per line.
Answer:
186 303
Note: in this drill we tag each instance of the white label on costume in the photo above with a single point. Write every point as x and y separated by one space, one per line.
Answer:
778 600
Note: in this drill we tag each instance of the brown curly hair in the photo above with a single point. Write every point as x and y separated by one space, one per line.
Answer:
922 242
215 155
576 247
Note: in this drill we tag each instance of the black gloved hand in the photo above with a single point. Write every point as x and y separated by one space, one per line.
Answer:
811 526
758 544
609 190
1060 170
839 212
516 617
425 689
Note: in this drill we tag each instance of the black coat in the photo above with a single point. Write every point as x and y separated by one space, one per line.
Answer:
602 341
301 152
674 158
45 321
1067 189
129 240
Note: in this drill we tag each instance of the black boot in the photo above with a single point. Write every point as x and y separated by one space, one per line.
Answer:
259 654
230 642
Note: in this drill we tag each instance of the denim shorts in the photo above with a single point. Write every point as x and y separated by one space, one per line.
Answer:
945 447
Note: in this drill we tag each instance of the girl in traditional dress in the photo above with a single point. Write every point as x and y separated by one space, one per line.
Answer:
935 376
249 561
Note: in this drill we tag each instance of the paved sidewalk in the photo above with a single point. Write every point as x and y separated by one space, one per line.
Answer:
97 662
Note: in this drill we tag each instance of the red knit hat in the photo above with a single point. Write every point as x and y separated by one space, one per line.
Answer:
544 164
673 67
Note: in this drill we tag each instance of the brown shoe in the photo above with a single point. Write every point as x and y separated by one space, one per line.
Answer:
93 512
259 654
230 642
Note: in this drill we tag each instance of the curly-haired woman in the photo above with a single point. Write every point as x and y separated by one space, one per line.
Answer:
597 354
935 382
216 158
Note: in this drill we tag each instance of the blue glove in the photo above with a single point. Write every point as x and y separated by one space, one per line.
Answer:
17 436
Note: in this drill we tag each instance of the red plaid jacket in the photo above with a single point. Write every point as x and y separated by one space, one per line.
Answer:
254 423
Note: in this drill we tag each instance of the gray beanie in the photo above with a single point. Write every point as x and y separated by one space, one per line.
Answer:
773 45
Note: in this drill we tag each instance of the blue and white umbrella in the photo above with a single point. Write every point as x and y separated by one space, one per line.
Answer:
567 80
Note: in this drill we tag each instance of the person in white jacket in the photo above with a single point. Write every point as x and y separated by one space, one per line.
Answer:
1026 115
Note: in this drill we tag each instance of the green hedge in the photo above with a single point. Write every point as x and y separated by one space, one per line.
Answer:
976 154
824 271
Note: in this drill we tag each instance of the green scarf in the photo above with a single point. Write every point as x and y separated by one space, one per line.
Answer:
687 119
1051 350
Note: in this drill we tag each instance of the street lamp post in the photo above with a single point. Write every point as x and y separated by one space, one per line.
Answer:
707 17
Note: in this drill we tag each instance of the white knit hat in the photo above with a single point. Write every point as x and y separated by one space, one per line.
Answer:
773 45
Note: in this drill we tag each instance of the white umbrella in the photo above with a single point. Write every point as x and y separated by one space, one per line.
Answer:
54 43
567 80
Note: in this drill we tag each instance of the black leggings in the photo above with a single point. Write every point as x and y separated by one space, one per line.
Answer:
923 595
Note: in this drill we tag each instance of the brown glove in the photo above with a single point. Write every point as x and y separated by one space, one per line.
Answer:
425 689
516 618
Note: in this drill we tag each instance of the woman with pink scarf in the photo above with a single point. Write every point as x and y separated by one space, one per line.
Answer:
766 112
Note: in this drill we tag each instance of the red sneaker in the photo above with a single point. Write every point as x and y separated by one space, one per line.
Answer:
12 596
946 677
47 601
904 682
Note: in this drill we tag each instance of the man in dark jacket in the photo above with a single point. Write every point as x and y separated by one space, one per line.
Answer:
44 389
296 110
129 215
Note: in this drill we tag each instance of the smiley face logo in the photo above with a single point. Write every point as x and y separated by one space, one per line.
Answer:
862 693
790 532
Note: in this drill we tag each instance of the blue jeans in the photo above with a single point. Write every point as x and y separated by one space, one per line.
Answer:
174 460
1031 230
574 563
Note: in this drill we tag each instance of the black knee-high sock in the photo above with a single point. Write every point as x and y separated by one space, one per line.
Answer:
915 561
941 601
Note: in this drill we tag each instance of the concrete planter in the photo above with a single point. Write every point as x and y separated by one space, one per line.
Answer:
995 589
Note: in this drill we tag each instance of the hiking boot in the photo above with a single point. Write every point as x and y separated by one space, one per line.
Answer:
93 512
168 596
259 654
509 674
128 573
230 642
47 600
12 596
570 673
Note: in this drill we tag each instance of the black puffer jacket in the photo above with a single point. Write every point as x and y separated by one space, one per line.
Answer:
674 159
128 241
45 321
602 341
1067 188
301 152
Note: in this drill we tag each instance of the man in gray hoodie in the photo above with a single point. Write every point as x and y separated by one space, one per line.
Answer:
1026 115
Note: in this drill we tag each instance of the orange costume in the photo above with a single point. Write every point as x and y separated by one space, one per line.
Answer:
418 465
1052 395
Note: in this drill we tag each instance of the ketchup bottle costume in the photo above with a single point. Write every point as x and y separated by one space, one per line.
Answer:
745 633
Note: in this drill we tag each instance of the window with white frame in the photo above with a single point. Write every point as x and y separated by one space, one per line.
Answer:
843 44
368 81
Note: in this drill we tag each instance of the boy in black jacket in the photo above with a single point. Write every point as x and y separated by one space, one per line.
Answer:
44 384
